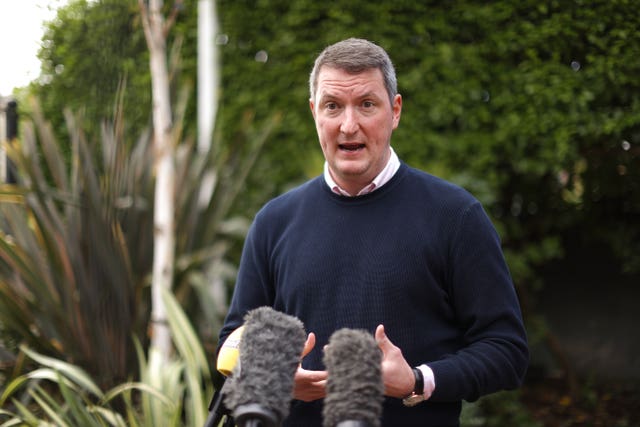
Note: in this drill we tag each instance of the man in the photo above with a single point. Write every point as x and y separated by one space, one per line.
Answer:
374 244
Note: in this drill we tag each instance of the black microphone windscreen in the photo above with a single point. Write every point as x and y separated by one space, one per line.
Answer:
270 350
355 390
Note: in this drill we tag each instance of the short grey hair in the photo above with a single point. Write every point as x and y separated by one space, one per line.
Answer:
355 56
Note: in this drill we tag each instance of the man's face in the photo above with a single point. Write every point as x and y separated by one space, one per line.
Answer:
354 120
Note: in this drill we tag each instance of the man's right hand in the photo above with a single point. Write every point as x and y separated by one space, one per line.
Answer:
309 385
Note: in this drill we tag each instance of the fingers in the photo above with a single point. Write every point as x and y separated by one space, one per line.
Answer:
311 376
380 335
396 372
383 341
310 392
391 354
309 344
310 385
389 349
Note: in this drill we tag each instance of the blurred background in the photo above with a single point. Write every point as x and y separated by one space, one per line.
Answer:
532 106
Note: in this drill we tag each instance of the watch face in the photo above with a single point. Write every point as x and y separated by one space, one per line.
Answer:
413 400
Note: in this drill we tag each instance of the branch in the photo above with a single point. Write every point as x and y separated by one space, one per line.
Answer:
177 7
144 14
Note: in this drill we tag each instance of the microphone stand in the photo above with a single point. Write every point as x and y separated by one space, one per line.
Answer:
217 410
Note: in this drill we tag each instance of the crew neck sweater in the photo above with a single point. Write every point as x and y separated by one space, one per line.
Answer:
418 255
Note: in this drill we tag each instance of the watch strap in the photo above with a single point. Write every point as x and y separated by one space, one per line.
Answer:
419 384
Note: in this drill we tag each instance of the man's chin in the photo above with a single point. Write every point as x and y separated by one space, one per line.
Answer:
351 173
351 166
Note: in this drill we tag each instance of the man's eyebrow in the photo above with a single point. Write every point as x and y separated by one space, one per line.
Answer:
327 95
369 94
330 96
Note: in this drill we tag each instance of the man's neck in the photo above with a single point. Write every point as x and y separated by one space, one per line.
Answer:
390 168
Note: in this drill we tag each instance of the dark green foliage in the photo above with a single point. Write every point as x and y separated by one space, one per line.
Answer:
89 49
92 48
532 107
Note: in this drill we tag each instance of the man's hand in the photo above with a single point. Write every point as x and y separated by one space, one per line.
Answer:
309 385
397 375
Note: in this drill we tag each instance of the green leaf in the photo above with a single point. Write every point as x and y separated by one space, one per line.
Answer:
74 373
50 407
146 388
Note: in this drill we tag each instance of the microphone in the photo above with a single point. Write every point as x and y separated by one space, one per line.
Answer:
226 362
228 356
355 390
260 389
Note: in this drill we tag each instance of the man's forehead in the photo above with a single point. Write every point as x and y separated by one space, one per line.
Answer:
334 79
369 73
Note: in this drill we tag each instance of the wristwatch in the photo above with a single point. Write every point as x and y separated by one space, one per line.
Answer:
417 395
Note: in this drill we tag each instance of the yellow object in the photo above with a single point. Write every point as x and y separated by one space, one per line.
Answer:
229 355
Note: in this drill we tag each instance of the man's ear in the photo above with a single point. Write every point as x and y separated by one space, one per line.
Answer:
397 110
312 107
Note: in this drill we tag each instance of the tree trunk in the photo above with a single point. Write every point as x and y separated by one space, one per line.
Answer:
208 72
164 198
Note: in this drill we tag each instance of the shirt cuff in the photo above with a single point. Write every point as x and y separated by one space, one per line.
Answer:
429 380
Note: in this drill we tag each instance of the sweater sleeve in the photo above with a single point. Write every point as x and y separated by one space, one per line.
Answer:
494 354
252 288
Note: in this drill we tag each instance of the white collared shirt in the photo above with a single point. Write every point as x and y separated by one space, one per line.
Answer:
392 166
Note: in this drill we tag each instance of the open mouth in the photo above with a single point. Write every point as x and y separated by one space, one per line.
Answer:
351 147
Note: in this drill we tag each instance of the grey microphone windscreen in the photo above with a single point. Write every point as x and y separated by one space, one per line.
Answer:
355 390
270 350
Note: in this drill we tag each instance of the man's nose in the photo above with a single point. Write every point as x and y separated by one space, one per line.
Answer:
349 123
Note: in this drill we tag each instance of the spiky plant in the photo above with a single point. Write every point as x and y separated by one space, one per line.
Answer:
164 396
76 239
75 247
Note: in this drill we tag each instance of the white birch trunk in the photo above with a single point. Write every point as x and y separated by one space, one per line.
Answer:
164 198
208 72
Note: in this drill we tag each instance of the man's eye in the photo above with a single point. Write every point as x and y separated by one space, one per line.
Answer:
331 105
367 104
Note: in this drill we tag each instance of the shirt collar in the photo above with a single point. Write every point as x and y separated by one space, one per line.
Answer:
392 166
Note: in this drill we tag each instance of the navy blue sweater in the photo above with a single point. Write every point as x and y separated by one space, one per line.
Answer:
418 255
